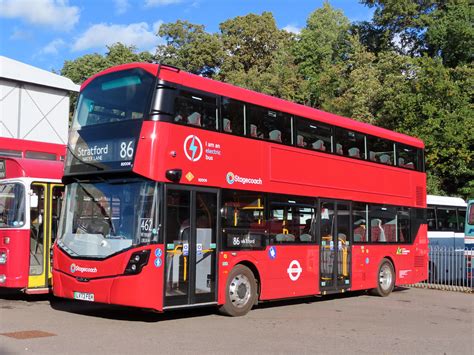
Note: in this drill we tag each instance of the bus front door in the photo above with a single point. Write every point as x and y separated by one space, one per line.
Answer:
190 244
335 247
45 206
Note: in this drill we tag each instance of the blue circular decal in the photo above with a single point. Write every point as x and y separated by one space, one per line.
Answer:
367 260
158 253
272 253
158 262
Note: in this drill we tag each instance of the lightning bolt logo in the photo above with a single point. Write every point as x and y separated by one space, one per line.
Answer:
192 148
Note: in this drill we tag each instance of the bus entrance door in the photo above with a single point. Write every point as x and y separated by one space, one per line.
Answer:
38 230
45 206
190 243
335 247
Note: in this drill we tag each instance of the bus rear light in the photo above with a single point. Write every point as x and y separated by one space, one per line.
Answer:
6 240
3 257
3 278
137 261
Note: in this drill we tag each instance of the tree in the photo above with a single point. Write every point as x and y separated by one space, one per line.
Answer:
422 98
439 28
451 34
322 44
190 47
79 69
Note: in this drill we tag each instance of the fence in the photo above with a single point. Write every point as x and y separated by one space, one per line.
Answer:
450 269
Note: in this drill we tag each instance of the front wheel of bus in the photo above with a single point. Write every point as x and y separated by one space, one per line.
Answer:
385 279
241 292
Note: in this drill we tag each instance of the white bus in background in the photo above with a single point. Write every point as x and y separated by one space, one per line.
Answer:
446 218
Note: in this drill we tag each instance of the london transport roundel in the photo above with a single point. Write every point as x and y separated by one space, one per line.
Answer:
294 270
193 148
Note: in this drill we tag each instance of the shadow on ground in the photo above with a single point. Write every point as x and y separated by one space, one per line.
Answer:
141 315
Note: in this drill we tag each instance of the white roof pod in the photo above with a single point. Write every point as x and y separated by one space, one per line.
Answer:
445 201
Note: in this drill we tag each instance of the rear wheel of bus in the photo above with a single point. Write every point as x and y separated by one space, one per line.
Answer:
241 292
385 279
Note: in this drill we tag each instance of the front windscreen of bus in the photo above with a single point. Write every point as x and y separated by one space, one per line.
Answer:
12 205
103 218
115 97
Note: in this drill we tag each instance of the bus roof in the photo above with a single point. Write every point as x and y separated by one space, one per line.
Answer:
13 147
445 201
216 87
33 168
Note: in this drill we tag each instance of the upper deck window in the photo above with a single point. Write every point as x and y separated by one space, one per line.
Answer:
380 150
11 153
232 116
115 97
350 143
40 155
313 135
268 124
407 157
195 109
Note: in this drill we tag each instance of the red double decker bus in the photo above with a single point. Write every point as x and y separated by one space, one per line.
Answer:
30 203
183 191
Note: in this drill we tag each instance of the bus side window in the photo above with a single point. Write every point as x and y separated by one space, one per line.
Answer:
350 143
268 124
313 135
431 219
195 109
407 157
461 219
380 150
233 116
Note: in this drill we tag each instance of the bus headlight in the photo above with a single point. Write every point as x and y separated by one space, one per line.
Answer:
137 261
3 278
3 257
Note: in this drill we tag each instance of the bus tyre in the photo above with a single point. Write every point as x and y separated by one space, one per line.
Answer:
385 279
241 292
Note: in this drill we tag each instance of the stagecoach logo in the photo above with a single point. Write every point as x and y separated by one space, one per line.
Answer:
81 269
231 178
193 148
294 270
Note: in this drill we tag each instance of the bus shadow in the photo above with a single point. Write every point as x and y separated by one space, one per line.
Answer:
309 299
127 313
18 295
140 315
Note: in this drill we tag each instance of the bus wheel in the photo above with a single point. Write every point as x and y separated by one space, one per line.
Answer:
385 279
241 292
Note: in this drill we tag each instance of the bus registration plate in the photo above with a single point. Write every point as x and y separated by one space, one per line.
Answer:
84 296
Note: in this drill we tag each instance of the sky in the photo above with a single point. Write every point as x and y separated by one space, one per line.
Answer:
45 33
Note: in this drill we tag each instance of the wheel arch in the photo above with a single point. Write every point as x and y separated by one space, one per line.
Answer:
255 272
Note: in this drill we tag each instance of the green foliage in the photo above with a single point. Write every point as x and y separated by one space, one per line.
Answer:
79 69
323 43
249 42
190 47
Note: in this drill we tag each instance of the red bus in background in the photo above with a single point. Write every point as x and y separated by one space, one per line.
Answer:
183 191
30 199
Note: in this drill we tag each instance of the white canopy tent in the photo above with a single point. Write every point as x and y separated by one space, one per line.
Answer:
34 103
